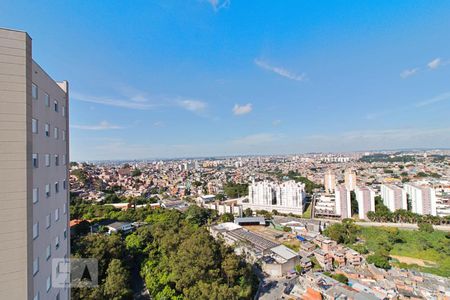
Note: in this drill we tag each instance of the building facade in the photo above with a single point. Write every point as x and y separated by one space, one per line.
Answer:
343 202
286 197
423 199
393 197
329 182
366 201
34 155
350 179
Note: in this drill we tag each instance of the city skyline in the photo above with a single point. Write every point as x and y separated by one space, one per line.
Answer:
219 78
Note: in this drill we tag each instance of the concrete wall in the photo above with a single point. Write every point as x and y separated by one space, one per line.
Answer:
15 166
43 175
18 178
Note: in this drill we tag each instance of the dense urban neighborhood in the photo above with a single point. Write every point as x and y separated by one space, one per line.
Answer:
316 226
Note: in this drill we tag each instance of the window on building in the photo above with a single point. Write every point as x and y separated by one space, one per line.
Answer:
47 160
47 129
56 160
63 110
57 187
34 126
35 266
35 195
48 221
48 252
34 91
55 132
64 208
35 161
57 296
57 214
63 135
36 297
57 242
47 100
64 159
49 283
47 190
55 105
64 184
65 233
35 230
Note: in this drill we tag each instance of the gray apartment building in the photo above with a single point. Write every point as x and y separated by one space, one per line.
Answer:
34 155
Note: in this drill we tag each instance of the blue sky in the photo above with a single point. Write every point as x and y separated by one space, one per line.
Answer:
194 78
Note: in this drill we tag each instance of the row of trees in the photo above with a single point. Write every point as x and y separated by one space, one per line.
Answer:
383 214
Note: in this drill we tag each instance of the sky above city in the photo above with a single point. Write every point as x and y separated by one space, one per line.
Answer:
192 78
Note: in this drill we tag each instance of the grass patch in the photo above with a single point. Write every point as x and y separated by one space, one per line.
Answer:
431 246
293 245
307 212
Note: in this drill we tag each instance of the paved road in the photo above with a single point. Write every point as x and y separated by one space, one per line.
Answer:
140 292
271 288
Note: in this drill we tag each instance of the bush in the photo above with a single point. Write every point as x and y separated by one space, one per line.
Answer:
426 227
379 260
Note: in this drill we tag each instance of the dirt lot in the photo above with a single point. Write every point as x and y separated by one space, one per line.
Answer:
417 261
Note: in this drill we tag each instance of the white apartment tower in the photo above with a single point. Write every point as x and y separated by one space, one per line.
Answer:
286 197
350 179
366 201
329 182
393 197
423 199
343 202
34 192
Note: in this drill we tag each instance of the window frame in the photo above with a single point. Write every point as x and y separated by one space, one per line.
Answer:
34 91
34 126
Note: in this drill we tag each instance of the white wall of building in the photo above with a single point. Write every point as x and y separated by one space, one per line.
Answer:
287 197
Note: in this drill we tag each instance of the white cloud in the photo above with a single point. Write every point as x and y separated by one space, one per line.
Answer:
435 63
240 110
104 125
437 99
159 124
193 105
255 139
280 71
409 72
219 4
135 102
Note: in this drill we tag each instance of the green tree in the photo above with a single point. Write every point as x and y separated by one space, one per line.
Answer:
235 190
220 197
345 232
248 212
197 215
136 172
226 217
341 278
353 203
117 281
134 243
379 259
425 227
